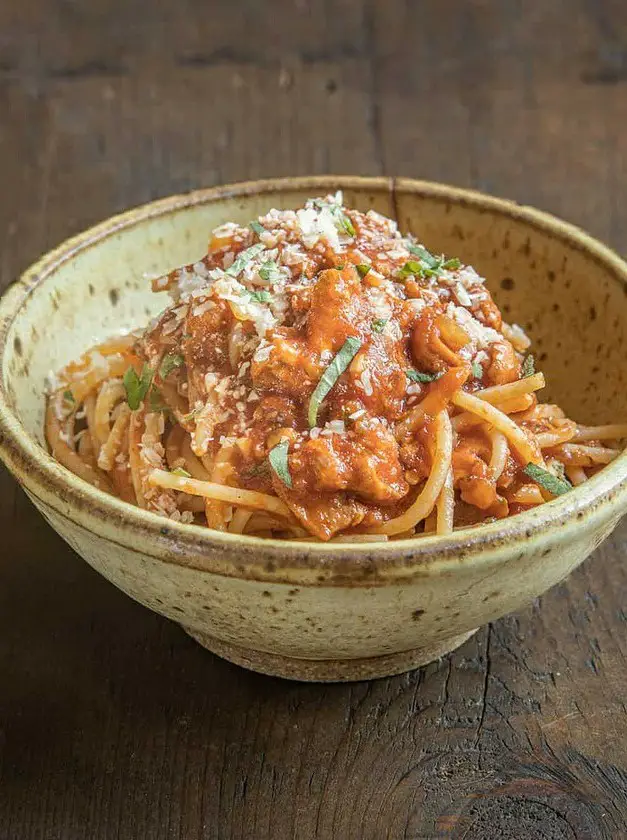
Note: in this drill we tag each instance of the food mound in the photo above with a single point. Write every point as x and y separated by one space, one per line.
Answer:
318 375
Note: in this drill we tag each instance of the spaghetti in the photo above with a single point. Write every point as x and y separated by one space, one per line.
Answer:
320 376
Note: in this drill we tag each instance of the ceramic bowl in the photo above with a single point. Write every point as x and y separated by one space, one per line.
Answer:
324 612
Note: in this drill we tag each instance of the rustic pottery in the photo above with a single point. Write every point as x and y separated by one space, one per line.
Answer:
324 612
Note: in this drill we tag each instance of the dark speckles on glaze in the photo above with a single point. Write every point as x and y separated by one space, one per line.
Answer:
114 296
508 283
17 345
417 615
91 289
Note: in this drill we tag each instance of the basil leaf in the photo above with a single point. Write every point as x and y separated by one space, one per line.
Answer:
68 396
136 386
423 378
341 219
336 368
344 223
169 362
554 485
340 267
260 297
256 228
244 258
424 256
269 272
452 265
180 471
363 269
528 367
379 325
477 370
411 268
278 461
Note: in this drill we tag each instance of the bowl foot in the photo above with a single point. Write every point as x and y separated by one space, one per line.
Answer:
329 670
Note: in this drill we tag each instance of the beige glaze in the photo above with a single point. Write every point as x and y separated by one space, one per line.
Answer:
335 612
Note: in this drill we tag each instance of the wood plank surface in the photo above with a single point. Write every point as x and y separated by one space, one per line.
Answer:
115 725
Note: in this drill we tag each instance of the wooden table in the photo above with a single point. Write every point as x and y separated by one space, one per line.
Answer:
113 723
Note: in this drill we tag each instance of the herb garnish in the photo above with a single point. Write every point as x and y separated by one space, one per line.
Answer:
429 264
278 461
169 362
343 222
261 296
256 228
411 268
554 485
379 325
269 272
424 256
453 264
363 269
528 367
336 368
477 370
68 396
136 386
423 378
244 258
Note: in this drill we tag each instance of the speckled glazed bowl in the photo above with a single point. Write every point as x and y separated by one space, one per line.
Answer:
316 612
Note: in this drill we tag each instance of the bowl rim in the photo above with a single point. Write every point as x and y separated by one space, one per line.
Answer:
602 498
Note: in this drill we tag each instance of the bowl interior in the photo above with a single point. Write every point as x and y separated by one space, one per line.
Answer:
571 302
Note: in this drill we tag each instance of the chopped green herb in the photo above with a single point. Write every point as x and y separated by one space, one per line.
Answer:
424 256
363 269
528 367
430 264
341 219
345 223
169 362
269 272
136 386
336 368
180 471
260 297
244 258
340 267
423 378
411 268
379 325
551 483
452 265
256 228
278 461
68 396
477 370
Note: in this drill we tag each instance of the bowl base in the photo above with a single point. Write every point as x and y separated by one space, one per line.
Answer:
329 670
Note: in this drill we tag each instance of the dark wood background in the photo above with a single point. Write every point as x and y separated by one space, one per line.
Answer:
113 724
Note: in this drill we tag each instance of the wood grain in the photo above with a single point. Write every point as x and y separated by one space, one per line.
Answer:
113 724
